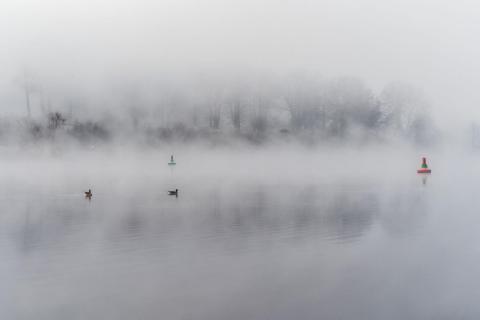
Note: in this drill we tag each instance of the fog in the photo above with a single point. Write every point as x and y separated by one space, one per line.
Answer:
80 56
258 233
296 129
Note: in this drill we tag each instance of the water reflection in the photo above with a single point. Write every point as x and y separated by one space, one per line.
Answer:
270 250
405 212
253 212
45 225
349 216
424 178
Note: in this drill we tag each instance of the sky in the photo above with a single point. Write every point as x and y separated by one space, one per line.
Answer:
430 44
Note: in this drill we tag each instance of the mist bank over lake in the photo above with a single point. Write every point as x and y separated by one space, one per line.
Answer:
295 165
220 110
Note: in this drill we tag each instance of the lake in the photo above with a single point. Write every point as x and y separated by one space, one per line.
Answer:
314 242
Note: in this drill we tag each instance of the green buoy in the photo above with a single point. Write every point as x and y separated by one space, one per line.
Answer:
172 161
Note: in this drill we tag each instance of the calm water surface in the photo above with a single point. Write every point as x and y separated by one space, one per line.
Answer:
361 249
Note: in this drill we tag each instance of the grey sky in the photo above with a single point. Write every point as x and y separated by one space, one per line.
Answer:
432 44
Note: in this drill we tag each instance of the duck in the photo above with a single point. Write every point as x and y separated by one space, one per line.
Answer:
88 194
173 192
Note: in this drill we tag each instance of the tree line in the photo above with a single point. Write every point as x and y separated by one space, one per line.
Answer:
294 108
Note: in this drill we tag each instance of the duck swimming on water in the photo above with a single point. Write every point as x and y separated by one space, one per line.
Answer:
173 192
88 194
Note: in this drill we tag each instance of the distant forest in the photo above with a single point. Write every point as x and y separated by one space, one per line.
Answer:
223 111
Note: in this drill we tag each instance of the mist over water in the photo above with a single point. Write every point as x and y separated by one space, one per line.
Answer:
297 129
253 234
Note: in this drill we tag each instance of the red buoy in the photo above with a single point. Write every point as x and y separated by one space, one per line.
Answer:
424 168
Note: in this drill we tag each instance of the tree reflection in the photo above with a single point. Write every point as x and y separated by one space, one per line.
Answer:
254 215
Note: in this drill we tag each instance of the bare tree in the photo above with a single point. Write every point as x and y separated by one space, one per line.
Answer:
56 120
215 117
402 105
236 114
304 98
28 88
259 119
214 111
